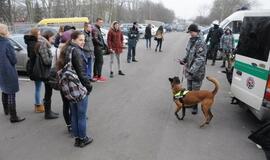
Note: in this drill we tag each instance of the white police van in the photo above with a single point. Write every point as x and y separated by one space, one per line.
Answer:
251 79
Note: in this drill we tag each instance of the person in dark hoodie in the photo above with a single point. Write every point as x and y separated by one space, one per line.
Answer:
31 41
9 84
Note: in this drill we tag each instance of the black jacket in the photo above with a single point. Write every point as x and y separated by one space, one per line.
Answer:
98 40
214 35
79 63
31 42
148 33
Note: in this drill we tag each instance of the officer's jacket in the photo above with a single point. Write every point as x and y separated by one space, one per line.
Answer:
195 59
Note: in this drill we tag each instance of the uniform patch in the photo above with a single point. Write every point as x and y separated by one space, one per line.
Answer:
201 49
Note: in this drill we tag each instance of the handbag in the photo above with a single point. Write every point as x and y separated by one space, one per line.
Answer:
155 38
40 71
70 84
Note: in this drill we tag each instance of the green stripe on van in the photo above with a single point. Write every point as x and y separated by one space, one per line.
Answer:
252 70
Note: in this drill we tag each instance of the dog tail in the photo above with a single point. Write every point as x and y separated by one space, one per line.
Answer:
215 81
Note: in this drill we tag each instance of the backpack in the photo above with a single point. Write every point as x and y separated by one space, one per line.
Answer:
70 84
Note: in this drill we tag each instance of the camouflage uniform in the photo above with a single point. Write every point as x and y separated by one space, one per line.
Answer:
195 61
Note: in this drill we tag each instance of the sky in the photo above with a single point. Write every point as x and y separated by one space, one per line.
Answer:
188 9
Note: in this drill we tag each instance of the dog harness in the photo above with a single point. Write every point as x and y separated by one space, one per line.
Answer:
180 95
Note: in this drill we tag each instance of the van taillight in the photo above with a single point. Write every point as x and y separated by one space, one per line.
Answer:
267 90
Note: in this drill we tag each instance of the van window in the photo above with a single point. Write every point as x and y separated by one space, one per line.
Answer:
254 41
235 26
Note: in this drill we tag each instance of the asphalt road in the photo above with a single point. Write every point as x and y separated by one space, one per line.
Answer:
132 118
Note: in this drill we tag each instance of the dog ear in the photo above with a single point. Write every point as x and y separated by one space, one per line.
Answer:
171 80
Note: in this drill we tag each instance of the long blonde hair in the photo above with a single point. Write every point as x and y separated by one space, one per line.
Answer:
3 30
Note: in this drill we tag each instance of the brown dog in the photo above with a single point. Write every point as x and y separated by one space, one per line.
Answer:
205 97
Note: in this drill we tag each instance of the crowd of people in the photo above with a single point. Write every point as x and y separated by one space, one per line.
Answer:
83 51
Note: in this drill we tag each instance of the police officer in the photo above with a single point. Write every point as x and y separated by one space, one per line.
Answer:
194 61
214 36
133 37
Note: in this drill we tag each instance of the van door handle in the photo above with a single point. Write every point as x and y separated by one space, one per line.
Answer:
239 73
254 64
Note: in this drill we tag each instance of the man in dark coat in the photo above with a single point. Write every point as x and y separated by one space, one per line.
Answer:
99 49
133 37
214 36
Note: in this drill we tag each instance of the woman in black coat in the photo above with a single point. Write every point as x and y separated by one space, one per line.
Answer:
9 84
148 35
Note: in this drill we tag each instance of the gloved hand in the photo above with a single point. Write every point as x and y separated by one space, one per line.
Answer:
181 62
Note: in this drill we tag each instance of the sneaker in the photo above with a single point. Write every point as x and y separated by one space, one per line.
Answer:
93 80
134 60
102 79
39 108
111 74
121 73
85 141
128 61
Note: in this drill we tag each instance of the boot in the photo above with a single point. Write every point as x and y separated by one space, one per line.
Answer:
13 114
48 112
223 65
6 110
111 74
39 108
121 73
5 104
194 109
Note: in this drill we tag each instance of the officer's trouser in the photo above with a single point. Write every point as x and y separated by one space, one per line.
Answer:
193 85
213 50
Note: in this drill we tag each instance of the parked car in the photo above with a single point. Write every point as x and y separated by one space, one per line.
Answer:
17 40
21 51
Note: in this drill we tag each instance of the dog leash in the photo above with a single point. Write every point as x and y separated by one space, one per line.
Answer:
183 74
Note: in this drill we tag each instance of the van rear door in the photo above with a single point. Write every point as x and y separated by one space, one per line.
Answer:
251 67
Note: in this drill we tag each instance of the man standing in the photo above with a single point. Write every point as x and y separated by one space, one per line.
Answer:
194 61
115 44
89 48
99 49
133 37
214 36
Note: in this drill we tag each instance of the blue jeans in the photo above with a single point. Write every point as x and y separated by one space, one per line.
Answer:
89 67
38 85
78 118
131 53
148 42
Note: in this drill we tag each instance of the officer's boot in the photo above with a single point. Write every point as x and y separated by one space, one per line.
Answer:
13 114
223 64
48 112
194 109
